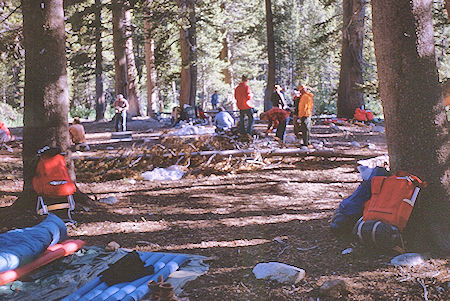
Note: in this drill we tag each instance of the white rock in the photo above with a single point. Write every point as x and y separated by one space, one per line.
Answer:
408 259
109 200
278 271
347 251
355 144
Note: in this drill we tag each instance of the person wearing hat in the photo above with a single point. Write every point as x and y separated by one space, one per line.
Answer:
305 108
277 98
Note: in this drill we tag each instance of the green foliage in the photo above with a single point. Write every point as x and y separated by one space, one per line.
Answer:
307 38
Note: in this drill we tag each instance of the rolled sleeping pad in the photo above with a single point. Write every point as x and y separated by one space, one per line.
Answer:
21 246
116 287
143 289
377 234
53 252
132 286
96 286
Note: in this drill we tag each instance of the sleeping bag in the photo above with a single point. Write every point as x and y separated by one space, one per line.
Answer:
351 208
20 246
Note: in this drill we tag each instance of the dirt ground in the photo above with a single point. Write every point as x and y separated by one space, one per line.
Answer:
237 213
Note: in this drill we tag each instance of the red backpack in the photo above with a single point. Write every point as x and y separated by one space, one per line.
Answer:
392 198
52 178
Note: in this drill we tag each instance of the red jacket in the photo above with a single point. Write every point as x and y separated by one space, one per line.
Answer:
4 128
242 93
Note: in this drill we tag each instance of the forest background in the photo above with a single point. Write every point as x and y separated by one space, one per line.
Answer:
307 36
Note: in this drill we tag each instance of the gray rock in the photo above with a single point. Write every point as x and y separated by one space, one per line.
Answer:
408 259
278 271
109 200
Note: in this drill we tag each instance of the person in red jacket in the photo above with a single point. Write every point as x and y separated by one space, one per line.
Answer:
243 95
5 134
278 118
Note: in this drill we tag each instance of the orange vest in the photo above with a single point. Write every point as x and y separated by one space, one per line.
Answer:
306 105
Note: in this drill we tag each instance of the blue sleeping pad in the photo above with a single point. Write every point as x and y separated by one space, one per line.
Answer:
20 246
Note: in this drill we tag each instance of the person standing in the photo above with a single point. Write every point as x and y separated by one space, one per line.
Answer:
243 95
215 99
277 98
305 108
278 118
120 119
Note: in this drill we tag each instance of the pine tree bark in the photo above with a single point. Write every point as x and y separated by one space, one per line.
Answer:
188 48
124 63
193 53
185 76
46 93
152 93
349 97
100 105
133 98
416 125
270 56
119 39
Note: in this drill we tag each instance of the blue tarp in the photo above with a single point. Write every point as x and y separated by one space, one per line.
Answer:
20 246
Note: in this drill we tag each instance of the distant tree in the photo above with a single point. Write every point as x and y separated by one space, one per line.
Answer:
46 94
270 55
152 93
349 96
416 124
188 45
100 105
125 68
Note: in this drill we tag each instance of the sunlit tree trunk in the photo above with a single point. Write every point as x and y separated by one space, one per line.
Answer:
270 55
152 93
100 105
188 46
46 92
416 125
124 65
133 98
349 97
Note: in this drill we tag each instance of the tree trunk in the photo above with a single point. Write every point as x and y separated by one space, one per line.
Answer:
120 59
349 98
193 50
185 84
133 99
100 106
416 125
270 56
152 93
188 45
447 8
46 93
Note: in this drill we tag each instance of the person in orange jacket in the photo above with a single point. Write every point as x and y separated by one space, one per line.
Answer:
305 108
243 95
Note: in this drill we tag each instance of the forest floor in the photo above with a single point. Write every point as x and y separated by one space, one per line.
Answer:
236 211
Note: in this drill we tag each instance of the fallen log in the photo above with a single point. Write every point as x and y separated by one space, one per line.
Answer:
280 152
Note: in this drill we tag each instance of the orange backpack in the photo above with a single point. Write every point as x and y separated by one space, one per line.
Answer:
52 178
393 198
